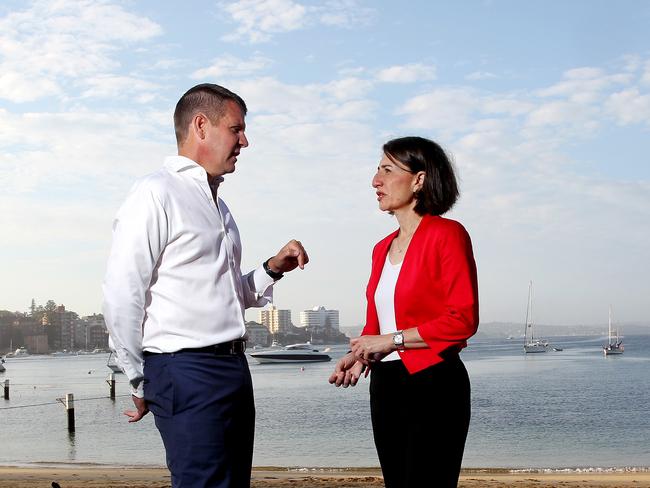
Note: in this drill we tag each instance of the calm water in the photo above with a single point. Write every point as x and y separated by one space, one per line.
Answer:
574 408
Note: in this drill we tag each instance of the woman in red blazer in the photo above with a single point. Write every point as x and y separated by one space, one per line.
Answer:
422 307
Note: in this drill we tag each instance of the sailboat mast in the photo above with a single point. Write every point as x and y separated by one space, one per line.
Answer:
609 334
530 299
528 313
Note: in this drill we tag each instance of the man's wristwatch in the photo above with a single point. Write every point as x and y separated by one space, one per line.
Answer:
270 272
398 340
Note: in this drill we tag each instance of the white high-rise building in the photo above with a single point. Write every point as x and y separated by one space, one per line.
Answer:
320 318
277 321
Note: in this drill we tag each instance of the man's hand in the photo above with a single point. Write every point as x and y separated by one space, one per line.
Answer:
370 348
140 411
347 371
291 256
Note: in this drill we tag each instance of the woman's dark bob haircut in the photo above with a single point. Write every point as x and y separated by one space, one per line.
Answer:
440 190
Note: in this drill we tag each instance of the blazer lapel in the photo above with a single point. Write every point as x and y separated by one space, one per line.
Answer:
378 265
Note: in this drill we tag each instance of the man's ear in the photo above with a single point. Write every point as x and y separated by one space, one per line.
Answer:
199 125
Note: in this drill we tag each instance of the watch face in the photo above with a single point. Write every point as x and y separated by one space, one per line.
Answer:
398 339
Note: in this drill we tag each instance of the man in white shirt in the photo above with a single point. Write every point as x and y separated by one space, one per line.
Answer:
174 297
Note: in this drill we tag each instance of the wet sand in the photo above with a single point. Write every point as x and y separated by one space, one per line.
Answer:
96 477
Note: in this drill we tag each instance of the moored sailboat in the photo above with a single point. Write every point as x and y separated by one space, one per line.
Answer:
531 344
615 346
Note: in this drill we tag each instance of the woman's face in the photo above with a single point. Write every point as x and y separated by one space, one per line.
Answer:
395 185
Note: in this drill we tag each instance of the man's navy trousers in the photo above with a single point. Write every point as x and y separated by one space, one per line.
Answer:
204 409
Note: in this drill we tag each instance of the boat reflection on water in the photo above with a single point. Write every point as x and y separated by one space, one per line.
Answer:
295 353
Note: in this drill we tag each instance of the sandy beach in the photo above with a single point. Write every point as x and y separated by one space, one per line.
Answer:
96 477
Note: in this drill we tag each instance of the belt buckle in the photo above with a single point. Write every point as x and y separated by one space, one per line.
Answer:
238 347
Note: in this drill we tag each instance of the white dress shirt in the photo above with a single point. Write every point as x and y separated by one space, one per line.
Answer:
173 279
385 302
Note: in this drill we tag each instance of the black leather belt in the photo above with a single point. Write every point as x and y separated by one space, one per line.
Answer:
238 346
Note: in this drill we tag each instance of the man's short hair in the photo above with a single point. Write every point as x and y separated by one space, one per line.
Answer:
207 98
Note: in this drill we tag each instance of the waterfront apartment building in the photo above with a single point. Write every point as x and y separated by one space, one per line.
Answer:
275 320
92 333
61 329
319 318
258 335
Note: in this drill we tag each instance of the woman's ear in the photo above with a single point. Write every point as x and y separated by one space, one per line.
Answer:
419 181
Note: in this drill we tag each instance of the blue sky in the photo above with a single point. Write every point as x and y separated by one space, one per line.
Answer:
545 107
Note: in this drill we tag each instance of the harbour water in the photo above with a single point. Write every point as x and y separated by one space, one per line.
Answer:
569 409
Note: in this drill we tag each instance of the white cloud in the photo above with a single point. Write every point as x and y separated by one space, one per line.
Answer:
584 85
345 13
113 86
480 75
349 88
645 77
56 150
317 102
21 87
229 66
58 41
629 106
258 19
505 104
446 109
552 114
408 73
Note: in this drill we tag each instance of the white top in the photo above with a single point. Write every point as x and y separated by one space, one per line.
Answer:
173 279
385 302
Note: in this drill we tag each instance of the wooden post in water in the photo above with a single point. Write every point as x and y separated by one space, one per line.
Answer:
6 389
69 407
111 385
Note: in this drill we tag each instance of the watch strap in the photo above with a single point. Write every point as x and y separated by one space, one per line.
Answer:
276 276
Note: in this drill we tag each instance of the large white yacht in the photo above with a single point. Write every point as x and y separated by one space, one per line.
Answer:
295 353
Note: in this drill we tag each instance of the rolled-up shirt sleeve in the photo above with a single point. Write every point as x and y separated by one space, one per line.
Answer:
139 237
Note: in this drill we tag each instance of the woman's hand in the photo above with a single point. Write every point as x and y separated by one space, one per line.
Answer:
371 348
347 371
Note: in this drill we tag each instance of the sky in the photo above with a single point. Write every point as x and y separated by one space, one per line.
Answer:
544 107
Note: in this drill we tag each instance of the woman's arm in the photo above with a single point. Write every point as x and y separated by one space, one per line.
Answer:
458 274
369 348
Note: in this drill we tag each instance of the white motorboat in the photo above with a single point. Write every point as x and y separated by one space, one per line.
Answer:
531 344
614 346
20 352
295 353
112 364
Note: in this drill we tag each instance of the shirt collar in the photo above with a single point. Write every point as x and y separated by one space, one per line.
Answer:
181 164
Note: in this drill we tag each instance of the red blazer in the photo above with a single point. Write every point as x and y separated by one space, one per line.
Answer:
436 291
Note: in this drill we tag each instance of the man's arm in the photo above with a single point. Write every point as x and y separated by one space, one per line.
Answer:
139 237
257 284
290 257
